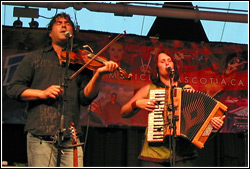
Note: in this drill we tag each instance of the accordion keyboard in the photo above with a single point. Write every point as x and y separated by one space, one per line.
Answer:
155 118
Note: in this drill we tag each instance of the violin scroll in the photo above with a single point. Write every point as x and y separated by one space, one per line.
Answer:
124 74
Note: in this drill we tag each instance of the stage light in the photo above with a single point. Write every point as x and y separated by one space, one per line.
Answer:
33 24
26 13
18 23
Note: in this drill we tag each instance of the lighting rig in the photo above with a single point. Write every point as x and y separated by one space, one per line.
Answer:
27 13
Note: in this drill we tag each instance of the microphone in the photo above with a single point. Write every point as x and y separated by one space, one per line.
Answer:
170 70
68 34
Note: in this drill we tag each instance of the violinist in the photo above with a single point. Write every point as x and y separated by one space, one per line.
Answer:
40 80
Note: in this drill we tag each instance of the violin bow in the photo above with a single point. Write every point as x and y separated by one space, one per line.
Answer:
96 55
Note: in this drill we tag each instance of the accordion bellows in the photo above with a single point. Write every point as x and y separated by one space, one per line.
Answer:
193 111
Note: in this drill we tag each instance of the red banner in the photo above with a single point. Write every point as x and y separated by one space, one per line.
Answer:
218 69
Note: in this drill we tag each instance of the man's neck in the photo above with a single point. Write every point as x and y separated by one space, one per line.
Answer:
57 48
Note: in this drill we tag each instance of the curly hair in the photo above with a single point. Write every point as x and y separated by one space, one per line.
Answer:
60 15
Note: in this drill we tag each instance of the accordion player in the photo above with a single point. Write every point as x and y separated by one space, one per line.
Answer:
194 111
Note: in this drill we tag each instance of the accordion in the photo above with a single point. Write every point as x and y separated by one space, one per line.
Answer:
194 111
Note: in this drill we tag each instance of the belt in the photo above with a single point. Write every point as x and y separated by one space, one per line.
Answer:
49 138
52 139
45 138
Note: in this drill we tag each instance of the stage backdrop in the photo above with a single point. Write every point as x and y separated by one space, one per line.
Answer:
218 69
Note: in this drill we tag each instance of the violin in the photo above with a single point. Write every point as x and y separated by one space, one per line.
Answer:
84 56
92 61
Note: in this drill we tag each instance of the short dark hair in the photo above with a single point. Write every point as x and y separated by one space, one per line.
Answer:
63 15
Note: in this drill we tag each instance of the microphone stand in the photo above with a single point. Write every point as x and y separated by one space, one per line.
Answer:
173 120
65 86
